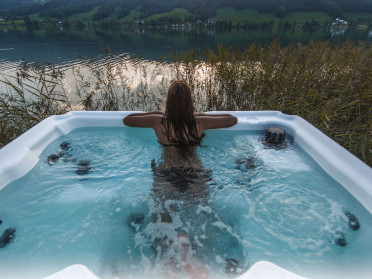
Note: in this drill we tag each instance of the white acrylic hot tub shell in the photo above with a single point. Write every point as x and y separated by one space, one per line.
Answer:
260 270
21 155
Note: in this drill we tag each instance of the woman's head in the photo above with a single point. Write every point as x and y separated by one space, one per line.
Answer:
179 121
179 101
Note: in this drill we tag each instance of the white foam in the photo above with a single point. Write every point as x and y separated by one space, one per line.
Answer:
287 159
80 193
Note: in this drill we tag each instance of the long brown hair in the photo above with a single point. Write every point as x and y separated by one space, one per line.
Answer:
179 121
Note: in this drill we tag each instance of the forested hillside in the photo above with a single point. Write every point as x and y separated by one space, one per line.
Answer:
200 9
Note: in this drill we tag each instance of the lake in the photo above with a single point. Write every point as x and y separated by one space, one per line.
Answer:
61 46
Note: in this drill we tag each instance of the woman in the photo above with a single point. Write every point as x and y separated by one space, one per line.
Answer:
180 130
180 181
179 125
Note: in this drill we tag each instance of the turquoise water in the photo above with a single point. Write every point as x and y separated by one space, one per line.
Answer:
259 204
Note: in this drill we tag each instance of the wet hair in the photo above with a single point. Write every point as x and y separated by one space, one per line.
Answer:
179 121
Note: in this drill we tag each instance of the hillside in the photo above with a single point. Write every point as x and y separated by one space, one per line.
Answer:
95 10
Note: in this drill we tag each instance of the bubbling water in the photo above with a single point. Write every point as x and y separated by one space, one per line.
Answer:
98 203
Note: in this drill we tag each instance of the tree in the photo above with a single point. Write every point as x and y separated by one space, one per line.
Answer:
332 8
280 12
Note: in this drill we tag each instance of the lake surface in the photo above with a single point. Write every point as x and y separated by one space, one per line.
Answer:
62 46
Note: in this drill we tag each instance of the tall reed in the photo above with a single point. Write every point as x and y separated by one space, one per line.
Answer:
35 93
328 85
119 84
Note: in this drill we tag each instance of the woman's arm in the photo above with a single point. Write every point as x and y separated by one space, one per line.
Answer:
143 119
146 113
213 115
215 121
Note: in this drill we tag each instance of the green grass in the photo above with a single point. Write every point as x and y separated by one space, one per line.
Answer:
362 27
176 13
114 15
85 17
35 16
243 15
16 22
20 26
133 14
250 15
356 16
302 17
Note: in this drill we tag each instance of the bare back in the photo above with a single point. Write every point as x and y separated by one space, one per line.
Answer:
203 122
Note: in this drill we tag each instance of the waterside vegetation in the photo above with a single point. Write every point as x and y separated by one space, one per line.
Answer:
327 84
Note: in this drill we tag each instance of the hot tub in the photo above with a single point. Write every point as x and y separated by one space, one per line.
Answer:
340 167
